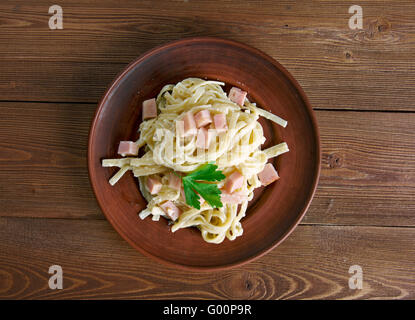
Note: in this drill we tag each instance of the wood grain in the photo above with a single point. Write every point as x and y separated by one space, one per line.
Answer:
362 213
367 177
312 263
368 169
43 166
369 69
55 81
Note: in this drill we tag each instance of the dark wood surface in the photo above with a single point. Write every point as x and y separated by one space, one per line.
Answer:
359 82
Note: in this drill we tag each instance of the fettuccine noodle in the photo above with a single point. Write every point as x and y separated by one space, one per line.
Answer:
165 151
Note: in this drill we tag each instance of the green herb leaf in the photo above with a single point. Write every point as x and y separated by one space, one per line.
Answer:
208 191
207 172
192 198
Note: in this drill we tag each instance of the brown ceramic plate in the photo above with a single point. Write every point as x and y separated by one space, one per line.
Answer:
275 210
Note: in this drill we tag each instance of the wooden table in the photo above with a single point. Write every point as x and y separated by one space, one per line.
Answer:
361 84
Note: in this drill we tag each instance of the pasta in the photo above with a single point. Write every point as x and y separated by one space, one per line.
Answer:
170 151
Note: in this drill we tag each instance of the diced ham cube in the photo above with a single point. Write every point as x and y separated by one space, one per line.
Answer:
219 121
129 148
204 138
237 95
175 181
234 182
149 109
189 125
233 198
268 175
153 185
171 210
203 118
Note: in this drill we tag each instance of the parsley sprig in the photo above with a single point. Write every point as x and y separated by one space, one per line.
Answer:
208 191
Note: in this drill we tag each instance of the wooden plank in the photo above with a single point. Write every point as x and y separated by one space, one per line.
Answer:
55 81
313 263
367 177
371 69
368 169
43 168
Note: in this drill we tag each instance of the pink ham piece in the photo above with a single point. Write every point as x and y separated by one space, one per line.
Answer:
128 148
175 182
237 95
234 182
232 198
204 138
268 175
189 125
149 109
203 118
153 185
219 121
171 210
